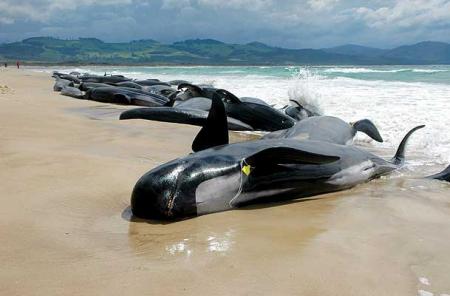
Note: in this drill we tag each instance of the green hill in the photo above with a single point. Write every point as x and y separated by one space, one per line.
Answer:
212 52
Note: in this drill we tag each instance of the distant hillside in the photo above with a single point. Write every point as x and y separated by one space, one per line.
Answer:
356 50
425 52
213 52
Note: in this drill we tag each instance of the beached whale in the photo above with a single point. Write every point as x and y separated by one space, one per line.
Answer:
255 112
104 79
151 82
61 83
69 77
221 176
180 115
186 91
327 129
193 112
71 92
298 112
85 86
129 84
126 96
163 90
252 112
117 95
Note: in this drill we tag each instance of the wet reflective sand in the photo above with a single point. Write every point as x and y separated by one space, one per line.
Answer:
67 168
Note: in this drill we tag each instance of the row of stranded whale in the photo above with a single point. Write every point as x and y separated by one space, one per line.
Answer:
303 154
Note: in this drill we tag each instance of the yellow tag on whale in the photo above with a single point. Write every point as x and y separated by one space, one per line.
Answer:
246 169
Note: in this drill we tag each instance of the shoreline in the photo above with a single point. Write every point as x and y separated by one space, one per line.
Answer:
31 64
67 173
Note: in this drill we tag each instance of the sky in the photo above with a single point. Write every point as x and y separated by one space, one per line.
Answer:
288 23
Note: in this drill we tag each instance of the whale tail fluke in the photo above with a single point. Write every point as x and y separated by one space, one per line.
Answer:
215 131
366 126
399 157
443 176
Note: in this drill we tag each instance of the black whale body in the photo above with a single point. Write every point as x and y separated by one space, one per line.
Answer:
226 176
327 129
250 111
126 96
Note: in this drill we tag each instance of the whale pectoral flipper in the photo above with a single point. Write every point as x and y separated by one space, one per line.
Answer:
215 131
264 164
286 155
178 115
366 126
167 114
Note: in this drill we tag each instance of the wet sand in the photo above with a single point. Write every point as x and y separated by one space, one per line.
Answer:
67 168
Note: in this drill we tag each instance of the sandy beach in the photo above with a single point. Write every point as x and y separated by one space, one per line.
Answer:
67 169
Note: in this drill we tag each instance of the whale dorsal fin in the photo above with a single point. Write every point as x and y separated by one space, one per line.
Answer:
215 131
399 157
366 126
228 96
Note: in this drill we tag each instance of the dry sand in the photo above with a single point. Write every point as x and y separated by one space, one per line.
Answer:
67 168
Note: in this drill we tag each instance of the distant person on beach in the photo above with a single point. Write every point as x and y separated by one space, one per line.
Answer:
18 65
6 65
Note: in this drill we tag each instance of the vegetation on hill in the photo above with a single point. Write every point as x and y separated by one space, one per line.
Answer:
213 52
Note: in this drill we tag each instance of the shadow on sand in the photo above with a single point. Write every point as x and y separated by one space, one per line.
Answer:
128 215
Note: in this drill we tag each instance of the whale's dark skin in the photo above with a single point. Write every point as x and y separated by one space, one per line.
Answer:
188 91
104 79
150 82
260 116
61 83
231 175
129 84
251 111
85 86
199 103
442 176
69 77
180 115
71 92
327 129
163 90
228 176
125 96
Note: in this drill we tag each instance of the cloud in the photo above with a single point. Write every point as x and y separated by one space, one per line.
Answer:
322 4
43 10
406 14
288 23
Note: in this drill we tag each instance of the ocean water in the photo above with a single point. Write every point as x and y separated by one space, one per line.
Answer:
395 98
